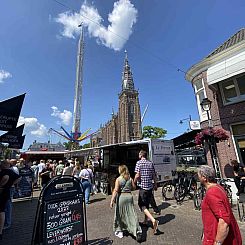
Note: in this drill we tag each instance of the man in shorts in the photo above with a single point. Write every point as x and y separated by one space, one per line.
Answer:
145 177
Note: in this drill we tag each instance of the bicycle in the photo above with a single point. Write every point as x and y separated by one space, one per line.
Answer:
227 188
188 187
241 203
201 191
198 196
168 188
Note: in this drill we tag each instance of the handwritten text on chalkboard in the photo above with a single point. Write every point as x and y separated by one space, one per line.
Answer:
64 224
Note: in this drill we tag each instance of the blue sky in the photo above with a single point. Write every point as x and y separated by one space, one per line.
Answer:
38 46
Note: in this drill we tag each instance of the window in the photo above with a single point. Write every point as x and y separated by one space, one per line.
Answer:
241 85
233 90
238 129
200 95
198 85
131 108
229 91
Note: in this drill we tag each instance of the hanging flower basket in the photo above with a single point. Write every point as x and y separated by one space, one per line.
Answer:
219 134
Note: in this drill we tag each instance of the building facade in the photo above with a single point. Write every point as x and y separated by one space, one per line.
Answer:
46 146
126 124
220 77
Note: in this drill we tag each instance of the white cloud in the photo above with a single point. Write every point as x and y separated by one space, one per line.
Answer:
64 116
122 18
4 75
32 126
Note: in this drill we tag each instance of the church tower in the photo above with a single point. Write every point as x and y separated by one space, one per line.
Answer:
129 115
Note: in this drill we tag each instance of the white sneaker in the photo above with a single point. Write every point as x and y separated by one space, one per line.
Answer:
119 234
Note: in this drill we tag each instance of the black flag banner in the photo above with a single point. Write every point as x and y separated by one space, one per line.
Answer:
18 144
10 112
13 135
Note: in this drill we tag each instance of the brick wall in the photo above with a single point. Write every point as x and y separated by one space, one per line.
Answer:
222 116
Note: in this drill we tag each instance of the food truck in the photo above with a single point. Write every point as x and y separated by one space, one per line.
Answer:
107 158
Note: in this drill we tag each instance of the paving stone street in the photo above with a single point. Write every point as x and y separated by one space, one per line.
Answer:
179 224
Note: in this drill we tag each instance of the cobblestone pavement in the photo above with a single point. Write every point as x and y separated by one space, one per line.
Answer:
179 225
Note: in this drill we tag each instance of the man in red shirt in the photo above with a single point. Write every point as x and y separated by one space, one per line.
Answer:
219 223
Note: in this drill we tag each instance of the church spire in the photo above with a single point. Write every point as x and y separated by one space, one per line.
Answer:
127 76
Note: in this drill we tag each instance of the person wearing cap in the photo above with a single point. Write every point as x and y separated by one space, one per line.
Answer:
219 223
7 179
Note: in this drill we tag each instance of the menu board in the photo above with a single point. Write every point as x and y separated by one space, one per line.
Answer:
163 158
64 224
24 187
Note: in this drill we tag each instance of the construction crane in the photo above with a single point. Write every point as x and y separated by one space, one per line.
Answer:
143 116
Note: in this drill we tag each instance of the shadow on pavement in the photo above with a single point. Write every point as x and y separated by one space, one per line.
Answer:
97 200
166 218
145 228
101 241
164 205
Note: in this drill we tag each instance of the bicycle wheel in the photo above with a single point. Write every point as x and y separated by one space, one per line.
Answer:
168 191
240 210
179 193
198 197
104 188
229 194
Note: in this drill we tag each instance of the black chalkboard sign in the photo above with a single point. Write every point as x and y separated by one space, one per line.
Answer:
61 214
24 187
64 223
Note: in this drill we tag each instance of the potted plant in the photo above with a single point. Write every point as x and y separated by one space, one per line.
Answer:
219 134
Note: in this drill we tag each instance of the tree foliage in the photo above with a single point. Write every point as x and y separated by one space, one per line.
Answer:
86 145
71 145
153 132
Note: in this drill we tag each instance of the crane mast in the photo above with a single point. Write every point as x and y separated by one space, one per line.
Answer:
78 87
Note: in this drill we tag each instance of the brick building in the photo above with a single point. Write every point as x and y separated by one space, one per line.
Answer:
220 77
126 124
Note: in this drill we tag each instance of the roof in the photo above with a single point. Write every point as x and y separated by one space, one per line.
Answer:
237 41
185 140
44 152
236 38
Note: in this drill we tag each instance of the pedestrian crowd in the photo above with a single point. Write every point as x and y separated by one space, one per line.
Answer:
219 224
42 172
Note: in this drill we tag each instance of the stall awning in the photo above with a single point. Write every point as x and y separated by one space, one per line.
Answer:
185 140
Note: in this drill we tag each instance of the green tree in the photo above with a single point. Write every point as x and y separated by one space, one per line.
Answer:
153 132
71 145
86 145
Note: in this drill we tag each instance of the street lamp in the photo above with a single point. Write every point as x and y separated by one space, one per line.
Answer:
206 106
189 119
186 119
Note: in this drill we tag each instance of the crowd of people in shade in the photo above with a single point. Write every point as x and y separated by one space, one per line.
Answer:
43 171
